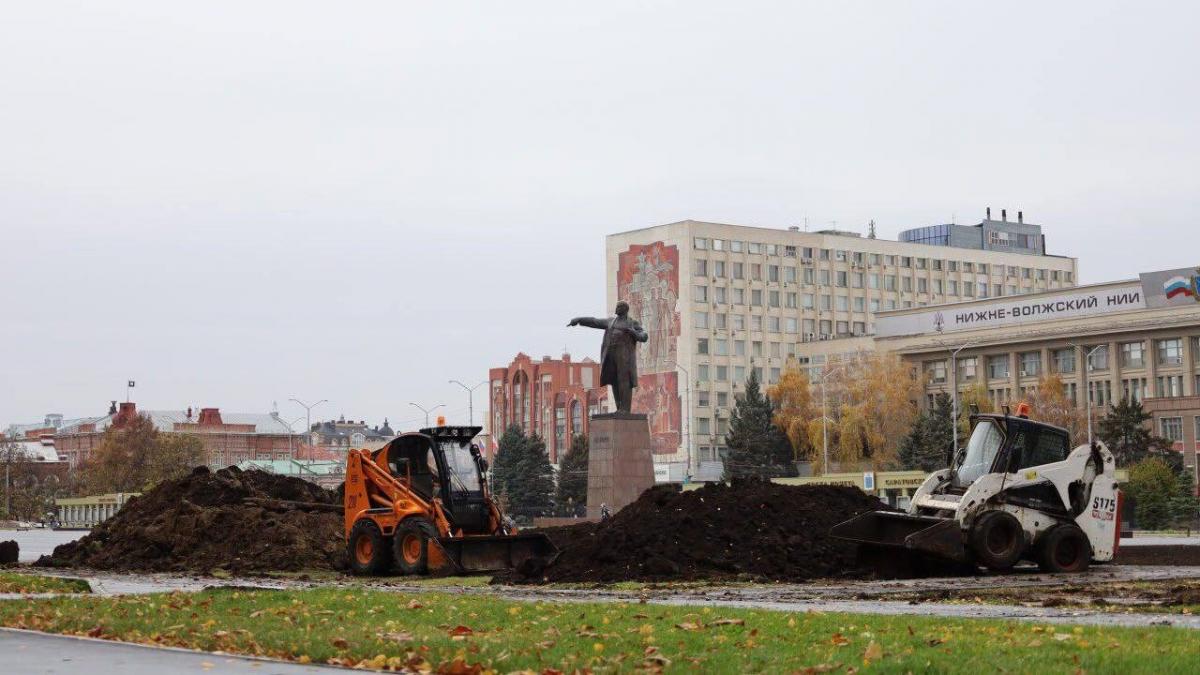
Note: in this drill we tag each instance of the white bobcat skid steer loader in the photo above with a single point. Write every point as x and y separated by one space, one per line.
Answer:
1017 491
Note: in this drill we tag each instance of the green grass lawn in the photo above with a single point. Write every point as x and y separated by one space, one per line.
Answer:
435 631
14 582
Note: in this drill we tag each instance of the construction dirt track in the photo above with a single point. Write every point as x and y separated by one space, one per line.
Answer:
254 522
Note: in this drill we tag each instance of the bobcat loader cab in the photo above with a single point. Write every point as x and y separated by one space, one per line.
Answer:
1016 491
422 504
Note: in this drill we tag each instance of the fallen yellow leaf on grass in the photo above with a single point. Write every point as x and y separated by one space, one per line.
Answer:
839 640
687 625
729 622
874 652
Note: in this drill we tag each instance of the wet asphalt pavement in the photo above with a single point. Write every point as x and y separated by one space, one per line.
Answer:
27 652
859 596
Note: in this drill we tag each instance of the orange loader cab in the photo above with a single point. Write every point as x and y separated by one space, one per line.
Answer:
421 504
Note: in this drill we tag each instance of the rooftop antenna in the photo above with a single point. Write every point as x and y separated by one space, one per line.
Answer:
871 229
806 223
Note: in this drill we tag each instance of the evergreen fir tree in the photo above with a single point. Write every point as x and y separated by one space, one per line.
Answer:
532 489
508 455
572 478
1130 440
757 448
927 446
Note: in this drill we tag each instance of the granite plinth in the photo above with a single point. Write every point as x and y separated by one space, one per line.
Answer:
620 465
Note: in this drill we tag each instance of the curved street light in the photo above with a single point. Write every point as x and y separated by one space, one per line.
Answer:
470 398
427 411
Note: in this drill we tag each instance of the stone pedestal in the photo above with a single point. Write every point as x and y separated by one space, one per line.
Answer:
620 467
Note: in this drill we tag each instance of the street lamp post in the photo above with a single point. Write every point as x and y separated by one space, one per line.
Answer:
1087 371
470 398
954 391
688 441
825 421
440 405
308 412
292 446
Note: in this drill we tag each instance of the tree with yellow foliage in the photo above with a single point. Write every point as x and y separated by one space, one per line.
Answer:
793 399
1050 403
877 397
977 396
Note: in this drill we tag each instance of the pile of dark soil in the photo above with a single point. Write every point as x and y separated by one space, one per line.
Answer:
231 519
753 529
10 552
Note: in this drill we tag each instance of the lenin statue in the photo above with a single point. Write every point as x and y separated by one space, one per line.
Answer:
618 353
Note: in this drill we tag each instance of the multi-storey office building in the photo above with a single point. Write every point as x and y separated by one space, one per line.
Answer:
719 300
992 235
1137 339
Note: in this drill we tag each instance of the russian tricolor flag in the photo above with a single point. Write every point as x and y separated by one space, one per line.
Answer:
1178 286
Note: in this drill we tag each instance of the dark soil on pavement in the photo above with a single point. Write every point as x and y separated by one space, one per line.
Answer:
1179 554
751 530
203 522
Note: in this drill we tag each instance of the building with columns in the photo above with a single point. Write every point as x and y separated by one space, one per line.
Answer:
87 512
1135 338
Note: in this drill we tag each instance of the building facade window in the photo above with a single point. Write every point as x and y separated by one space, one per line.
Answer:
968 368
1171 428
1099 358
1064 360
1031 364
1170 386
1132 355
936 371
1134 388
1170 352
998 367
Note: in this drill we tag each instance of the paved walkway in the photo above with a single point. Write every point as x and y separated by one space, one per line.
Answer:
28 652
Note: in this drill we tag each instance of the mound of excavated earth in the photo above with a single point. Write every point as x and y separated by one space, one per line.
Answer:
231 519
752 529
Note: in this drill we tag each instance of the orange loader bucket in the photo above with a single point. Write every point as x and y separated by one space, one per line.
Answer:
500 552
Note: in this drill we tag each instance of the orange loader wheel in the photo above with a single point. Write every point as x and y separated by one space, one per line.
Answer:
412 545
368 549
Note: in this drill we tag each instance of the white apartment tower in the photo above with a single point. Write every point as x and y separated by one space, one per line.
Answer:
721 299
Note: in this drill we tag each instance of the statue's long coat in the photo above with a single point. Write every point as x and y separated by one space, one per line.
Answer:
618 352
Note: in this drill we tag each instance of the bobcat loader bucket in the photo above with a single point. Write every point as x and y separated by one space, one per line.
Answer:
938 537
494 553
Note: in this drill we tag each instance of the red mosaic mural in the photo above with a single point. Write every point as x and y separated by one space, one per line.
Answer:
648 279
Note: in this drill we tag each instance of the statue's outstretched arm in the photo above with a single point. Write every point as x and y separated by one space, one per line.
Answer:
589 322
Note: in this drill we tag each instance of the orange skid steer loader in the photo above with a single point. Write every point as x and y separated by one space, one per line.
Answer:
422 503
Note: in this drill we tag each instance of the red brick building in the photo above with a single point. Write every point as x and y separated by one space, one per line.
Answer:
228 438
553 398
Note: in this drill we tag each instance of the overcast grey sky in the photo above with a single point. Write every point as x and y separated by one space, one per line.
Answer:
243 202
